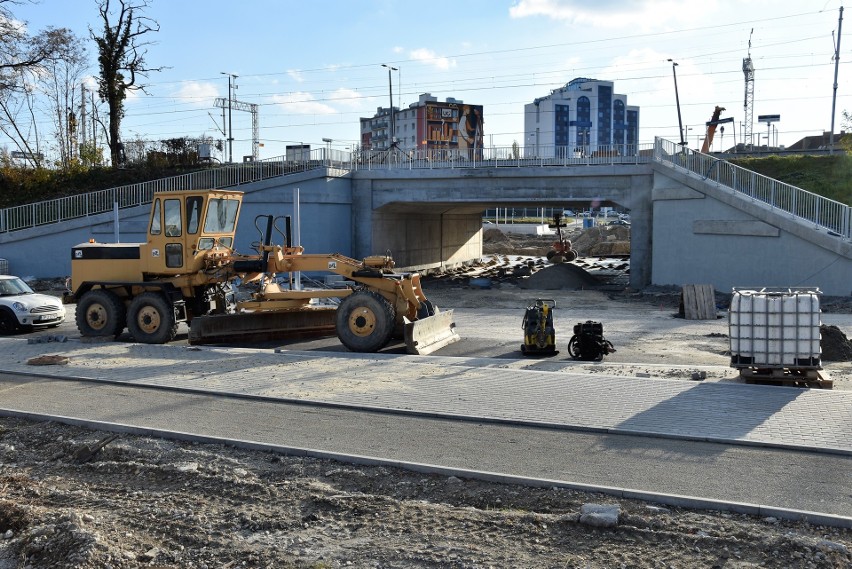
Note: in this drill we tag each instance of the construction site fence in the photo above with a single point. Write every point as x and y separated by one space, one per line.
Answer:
824 213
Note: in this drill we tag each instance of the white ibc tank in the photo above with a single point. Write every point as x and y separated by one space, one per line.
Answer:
775 328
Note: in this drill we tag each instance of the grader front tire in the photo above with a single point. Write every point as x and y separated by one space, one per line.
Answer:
365 321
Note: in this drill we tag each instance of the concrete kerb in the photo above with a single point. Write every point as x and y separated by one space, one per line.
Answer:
675 500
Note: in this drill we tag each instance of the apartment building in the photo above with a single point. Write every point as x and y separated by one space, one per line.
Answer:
442 128
584 116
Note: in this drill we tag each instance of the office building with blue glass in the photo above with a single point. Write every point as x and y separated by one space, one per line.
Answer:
581 118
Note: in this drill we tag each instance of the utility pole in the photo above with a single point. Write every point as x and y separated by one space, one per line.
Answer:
390 91
230 128
834 95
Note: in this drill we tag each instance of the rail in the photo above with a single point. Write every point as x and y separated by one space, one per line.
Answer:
501 157
92 203
824 213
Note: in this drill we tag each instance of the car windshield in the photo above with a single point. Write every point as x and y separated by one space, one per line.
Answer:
12 287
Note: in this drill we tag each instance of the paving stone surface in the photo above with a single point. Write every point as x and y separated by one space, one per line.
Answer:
468 387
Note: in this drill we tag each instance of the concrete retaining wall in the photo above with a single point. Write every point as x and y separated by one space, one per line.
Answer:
704 234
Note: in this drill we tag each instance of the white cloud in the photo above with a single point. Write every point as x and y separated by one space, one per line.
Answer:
431 58
200 93
347 97
303 104
398 49
295 75
615 13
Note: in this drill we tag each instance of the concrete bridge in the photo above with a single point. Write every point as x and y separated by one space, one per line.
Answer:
694 219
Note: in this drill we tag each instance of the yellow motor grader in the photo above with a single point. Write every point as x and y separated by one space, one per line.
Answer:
187 270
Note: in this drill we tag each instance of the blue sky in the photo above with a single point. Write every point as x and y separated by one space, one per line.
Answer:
314 67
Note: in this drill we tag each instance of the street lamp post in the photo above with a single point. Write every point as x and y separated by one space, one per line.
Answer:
230 129
390 92
677 101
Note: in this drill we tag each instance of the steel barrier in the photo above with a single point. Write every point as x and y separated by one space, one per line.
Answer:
822 212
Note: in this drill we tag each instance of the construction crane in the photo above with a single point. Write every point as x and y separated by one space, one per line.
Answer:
748 106
711 129
222 103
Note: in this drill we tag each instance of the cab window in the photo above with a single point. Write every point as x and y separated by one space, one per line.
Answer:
221 215
193 214
155 218
171 208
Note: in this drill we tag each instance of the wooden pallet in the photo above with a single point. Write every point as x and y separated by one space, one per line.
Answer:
790 377
698 302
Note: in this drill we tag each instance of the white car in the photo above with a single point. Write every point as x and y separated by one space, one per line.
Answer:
22 308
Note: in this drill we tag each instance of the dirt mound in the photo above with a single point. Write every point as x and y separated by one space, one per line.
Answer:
835 345
495 237
564 276
602 240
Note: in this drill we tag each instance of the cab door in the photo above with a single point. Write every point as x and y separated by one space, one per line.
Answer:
164 253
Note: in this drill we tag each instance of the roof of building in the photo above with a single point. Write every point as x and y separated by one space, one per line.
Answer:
816 142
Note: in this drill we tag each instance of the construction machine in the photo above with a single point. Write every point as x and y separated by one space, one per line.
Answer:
711 130
188 271
539 333
561 251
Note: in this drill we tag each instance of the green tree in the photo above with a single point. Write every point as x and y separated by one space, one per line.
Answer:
121 57
846 125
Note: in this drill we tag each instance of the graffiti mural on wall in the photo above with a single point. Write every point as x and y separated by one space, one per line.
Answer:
470 127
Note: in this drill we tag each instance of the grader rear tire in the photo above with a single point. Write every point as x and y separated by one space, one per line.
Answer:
365 321
151 319
100 313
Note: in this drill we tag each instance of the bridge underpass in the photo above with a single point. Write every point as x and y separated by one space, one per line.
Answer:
431 219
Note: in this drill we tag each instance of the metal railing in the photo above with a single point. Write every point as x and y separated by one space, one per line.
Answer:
831 215
93 203
501 157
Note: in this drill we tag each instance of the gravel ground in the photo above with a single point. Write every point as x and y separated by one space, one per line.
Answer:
144 502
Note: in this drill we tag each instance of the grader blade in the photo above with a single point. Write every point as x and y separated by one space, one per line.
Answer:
259 326
426 335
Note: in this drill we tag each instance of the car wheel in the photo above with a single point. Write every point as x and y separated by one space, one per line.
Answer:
8 322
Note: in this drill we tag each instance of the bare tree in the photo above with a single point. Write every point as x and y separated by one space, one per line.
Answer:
22 60
60 84
121 56
19 50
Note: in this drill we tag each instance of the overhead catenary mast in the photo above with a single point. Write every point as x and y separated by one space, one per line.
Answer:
836 66
748 106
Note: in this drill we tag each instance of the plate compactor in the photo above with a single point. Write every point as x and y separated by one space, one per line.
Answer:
539 334
588 342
